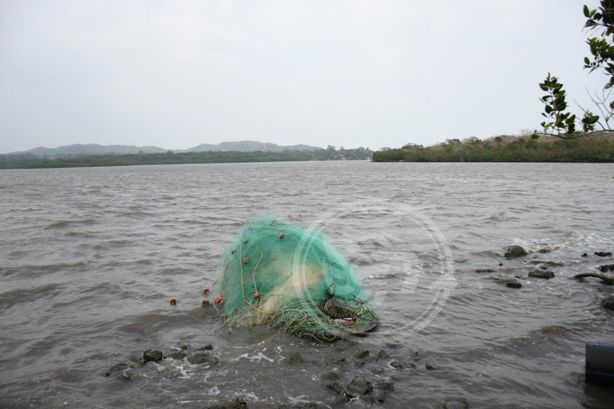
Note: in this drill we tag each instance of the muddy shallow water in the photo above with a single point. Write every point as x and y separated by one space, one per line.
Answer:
91 257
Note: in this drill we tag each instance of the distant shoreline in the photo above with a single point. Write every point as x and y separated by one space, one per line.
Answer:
171 158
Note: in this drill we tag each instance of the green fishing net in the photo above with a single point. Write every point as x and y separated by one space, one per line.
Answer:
293 279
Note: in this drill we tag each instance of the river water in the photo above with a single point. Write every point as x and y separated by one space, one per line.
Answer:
91 257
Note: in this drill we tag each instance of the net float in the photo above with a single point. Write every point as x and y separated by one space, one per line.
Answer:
173 302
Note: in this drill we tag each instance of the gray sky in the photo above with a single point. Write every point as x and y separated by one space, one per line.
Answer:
373 73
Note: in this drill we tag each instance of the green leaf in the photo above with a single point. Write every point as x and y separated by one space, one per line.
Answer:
586 10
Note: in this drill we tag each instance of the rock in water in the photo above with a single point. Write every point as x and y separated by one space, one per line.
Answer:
515 251
359 386
295 358
606 267
454 403
152 355
115 369
235 404
545 274
513 284
603 253
608 303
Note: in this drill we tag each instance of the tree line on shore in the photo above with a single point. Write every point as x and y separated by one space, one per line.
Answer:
30 161
519 149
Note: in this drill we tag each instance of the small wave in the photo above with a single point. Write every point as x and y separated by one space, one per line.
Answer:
22 295
30 271
66 223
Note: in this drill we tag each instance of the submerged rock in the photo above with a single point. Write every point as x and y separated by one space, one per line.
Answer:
454 403
429 365
608 303
359 386
484 270
152 355
235 404
396 364
178 355
128 373
513 284
295 358
363 354
335 387
545 274
606 267
116 369
382 354
515 251
603 253
202 357
332 376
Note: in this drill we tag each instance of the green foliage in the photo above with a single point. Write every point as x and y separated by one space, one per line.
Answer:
559 121
530 149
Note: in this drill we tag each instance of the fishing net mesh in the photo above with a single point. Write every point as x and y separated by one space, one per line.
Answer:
293 279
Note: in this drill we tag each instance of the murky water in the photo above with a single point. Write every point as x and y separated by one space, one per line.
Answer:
91 257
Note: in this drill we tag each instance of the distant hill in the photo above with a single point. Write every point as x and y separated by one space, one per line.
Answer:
95 149
89 149
250 146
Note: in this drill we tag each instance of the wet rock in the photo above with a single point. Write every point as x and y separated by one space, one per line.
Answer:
396 364
335 387
359 386
454 403
513 284
338 361
152 355
608 303
543 251
385 385
363 354
603 253
178 355
331 376
128 373
235 404
380 395
554 330
295 358
201 357
429 365
382 354
545 274
515 251
393 345
116 369
208 347
606 267
484 270
584 254
303 405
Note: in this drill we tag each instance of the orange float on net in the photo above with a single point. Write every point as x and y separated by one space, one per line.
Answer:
173 302
205 302
256 295
205 291
219 299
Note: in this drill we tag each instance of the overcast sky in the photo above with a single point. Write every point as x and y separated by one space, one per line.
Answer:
353 73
